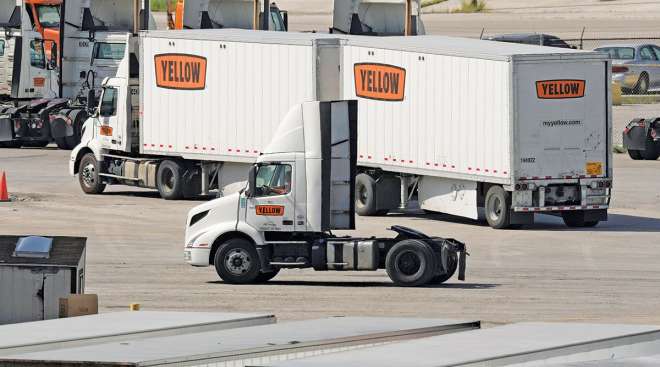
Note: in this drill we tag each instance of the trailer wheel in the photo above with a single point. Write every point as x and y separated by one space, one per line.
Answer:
452 263
575 219
88 177
169 180
410 263
237 262
498 202
365 195
635 154
650 152
264 277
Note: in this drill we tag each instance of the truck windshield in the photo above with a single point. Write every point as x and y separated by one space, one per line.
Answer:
49 16
37 56
109 51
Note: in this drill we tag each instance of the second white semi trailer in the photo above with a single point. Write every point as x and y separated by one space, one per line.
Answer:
462 124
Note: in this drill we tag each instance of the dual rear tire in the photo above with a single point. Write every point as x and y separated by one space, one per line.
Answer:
413 263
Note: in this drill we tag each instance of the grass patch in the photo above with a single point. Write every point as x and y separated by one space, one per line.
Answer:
426 3
644 99
158 5
471 6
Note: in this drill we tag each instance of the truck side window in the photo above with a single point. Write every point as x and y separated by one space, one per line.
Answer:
109 102
2 48
37 56
273 180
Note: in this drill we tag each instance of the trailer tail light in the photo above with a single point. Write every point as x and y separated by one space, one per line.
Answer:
619 69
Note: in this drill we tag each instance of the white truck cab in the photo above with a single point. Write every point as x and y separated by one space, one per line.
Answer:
300 189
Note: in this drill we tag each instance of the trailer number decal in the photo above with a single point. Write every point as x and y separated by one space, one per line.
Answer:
270 210
180 71
560 89
379 81
594 168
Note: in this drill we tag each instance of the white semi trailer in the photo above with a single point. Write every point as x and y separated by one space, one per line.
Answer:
462 124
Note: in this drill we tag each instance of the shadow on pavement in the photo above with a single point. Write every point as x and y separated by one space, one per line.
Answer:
385 284
153 195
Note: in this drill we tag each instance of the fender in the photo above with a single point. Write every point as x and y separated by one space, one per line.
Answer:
87 144
207 238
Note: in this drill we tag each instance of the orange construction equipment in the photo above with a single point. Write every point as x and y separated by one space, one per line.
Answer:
4 194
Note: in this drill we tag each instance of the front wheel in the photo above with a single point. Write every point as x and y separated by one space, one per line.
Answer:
237 262
576 219
497 207
88 176
410 263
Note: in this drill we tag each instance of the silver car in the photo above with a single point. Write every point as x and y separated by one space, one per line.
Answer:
635 67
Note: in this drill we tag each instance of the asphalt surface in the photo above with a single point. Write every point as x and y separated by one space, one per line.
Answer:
545 272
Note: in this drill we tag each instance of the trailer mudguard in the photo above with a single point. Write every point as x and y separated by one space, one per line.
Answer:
218 230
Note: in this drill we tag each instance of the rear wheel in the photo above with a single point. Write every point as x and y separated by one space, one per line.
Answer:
365 195
88 175
452 266
237 262
169 180
410 263
576 219
651 151
635 154
498 204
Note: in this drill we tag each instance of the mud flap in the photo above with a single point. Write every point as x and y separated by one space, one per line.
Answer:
451 245
60 129
6 129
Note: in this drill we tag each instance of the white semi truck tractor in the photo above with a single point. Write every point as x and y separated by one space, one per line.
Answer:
45 84
378 17
214 14
298 191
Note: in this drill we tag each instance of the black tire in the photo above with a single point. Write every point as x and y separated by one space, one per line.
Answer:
651 151
410 263
635 154
78 117
365 195
237 262
88 175
62 143
453 266
497 206
264 277
169 180
642 86
575 219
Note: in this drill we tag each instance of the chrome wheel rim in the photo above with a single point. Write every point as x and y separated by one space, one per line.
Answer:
238 261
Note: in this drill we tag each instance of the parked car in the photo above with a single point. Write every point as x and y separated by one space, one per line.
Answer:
635 67
531 39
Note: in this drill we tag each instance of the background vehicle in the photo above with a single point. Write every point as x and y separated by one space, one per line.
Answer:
44 99
635 67
299 190
531 39
539 145
642 138
242 14
378 17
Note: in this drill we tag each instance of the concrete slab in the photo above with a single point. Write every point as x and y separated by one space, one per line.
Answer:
530 344
84 330
249 345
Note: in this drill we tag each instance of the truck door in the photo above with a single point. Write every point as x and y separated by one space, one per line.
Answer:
272 208
34 75
111 116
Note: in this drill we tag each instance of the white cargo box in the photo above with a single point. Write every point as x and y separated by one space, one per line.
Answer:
429 105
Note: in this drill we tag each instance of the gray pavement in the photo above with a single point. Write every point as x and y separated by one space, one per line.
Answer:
545 273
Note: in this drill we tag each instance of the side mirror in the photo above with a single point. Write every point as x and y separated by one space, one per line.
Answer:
285 19
252 181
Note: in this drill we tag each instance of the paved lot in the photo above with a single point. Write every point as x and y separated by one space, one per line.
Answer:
547 272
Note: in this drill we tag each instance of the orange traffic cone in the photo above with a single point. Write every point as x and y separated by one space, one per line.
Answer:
4 195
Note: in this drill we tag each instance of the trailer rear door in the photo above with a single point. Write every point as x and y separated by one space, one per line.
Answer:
562 117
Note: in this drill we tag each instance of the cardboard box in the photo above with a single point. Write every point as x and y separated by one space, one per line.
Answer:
79 305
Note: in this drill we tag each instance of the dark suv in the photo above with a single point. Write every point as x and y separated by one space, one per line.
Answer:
531 39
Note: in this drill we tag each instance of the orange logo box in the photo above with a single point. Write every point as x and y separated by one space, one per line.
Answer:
379 81
180 71
560 89
105 130
270 210
38 82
